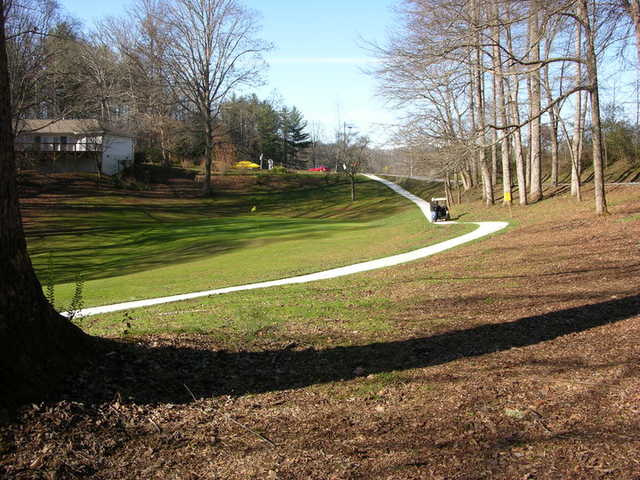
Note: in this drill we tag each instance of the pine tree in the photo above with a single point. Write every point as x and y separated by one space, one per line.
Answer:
294 137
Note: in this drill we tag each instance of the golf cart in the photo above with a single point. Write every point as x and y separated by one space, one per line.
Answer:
439 209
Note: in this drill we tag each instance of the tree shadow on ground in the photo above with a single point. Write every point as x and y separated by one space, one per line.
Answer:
599 268
139 372
459 216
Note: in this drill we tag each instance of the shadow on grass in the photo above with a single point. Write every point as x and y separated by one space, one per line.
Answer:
459 216
140 373
110 238
134 249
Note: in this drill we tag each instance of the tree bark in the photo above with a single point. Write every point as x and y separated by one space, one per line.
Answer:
208 155
501 109
485 173
534 102
555 149
596 131
466 179
447 188
36 343
166 160
353 188
494 154
576 144
553 130
494 138
512 92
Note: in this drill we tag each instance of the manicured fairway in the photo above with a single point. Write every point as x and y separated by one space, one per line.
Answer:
131 248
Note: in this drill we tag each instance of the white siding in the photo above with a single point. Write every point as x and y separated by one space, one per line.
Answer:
117 154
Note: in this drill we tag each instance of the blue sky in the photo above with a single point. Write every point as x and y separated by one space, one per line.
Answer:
317 60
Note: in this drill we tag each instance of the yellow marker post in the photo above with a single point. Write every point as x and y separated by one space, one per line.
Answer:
507 200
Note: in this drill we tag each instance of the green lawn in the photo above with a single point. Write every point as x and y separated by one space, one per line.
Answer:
133 247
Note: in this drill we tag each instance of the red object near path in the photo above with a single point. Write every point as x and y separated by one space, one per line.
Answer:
321 168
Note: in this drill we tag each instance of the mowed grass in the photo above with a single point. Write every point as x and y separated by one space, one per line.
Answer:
356 308
127 247
299 313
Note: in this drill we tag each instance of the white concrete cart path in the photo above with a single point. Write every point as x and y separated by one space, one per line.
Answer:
484 229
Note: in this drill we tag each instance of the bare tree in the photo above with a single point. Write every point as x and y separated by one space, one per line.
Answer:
315 142
632 8
478 100
578 136
353 154
535 149
500 101
443 47
27 24
142 40
584 18
213 50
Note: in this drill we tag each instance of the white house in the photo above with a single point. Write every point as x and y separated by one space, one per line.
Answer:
84 145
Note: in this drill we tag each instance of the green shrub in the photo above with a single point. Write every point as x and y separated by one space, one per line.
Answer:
77 301
279 170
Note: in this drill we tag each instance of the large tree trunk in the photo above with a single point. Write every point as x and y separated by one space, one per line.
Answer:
576 144
478 84
576 150
596 131
472 160
494 154
447 188
534 102
465 175
501 109
166 159
36 343
521 172
555 147
514 113
208 156
553 129
494 139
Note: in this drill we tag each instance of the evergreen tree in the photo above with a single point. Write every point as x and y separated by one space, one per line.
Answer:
294 137
257 128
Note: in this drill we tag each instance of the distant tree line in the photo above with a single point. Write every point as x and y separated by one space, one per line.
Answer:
497 92
262 128
166 72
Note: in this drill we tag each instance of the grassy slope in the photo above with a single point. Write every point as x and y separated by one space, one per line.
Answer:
514 357
129 248
317 311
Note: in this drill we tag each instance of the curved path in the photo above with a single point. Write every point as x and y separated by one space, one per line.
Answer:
484 228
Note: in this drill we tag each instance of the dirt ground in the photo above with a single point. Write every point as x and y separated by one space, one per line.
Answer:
524 363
